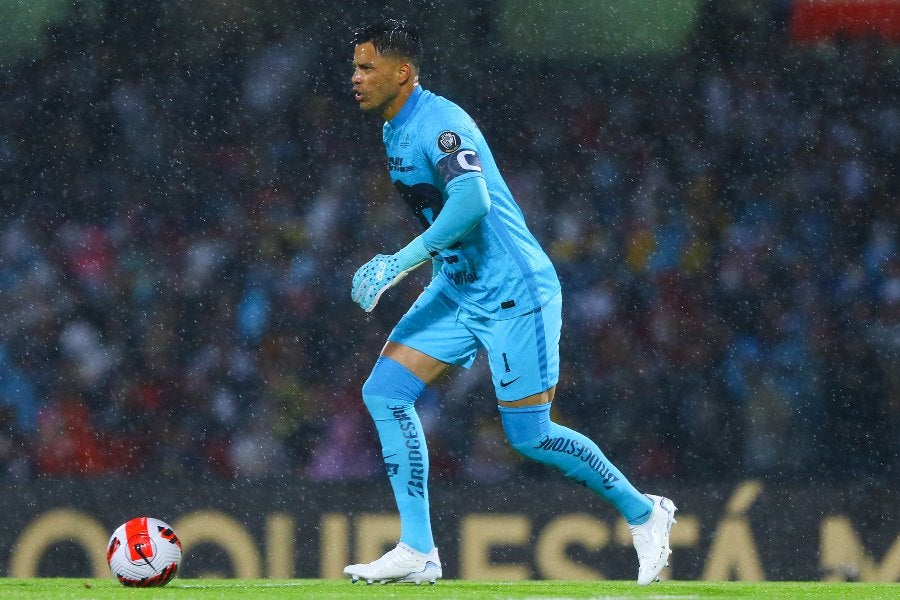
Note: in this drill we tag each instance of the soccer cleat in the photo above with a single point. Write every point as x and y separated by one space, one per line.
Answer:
651 540
403 564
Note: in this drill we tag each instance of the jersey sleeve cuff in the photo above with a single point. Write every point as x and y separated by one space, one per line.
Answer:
413 254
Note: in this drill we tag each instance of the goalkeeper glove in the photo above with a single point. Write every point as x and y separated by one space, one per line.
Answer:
385 271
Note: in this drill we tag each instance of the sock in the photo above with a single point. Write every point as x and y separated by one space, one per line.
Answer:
531 432
390 394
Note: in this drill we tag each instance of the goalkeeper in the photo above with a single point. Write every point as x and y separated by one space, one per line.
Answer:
493 288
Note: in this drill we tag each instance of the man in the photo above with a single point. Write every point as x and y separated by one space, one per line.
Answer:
493 288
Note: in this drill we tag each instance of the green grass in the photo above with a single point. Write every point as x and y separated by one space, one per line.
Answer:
270 589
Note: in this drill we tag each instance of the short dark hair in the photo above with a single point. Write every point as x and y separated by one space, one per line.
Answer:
392 36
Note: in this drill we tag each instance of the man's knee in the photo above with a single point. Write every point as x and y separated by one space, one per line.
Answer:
390 383
525 426
525 447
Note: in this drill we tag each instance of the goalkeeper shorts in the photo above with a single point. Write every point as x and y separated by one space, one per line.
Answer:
523 352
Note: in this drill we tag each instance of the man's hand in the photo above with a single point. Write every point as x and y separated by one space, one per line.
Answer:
374 277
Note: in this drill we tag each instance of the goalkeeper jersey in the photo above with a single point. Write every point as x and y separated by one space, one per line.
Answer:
497 270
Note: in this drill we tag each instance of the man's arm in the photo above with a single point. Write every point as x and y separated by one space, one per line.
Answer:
467 204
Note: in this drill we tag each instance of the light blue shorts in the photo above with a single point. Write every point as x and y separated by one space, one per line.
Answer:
523 352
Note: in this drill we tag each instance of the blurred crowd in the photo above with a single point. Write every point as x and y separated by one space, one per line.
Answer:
184 204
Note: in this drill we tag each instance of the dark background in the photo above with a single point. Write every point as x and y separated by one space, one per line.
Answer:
187 188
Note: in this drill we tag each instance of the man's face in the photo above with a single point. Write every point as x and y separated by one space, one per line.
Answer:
376 81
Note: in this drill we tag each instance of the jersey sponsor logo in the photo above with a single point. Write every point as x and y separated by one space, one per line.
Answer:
395 163
449 142
458 163
462 277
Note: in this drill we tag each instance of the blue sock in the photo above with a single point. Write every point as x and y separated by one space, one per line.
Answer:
531 432
390 394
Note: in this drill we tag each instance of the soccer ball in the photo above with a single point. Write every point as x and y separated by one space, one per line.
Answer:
144 552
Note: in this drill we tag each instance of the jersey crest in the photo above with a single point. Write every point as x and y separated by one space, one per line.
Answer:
449 141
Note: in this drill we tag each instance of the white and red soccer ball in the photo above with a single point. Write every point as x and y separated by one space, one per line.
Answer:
144 552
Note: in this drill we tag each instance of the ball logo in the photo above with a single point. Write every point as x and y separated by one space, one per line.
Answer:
449 141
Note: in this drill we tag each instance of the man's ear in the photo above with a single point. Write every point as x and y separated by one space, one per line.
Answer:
404 73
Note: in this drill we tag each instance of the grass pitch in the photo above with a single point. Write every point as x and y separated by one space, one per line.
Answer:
269 589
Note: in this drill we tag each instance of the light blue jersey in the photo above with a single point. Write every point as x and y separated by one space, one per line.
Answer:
498 270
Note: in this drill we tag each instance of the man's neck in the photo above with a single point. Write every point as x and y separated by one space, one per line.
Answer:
402 98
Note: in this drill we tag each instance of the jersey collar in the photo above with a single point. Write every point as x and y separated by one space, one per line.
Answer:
408 108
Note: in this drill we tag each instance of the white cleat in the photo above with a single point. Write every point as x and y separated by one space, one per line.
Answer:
651 540
403 564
